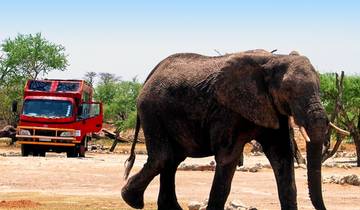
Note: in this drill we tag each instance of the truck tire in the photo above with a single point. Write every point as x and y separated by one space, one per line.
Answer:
81 151
71 153
24 150
42 153
35 152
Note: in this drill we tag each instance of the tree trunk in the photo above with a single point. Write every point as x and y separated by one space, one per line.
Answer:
356 137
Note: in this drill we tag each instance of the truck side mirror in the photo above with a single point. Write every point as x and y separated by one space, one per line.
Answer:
14 106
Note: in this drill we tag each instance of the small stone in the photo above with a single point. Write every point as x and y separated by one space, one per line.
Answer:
267 166
254 169
243 169
203 207
259 165
303 166
237 203
194 205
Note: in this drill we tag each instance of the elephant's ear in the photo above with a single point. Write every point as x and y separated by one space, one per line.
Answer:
241 87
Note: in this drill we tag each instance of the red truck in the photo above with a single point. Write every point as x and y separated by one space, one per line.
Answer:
58 116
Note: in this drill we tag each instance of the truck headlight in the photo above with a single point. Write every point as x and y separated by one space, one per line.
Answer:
67 133
24 132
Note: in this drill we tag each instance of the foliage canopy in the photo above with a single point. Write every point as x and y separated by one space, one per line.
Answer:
22 58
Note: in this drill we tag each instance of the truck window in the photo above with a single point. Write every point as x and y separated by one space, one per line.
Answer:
67 87
39 85
47 108
89 110
94 110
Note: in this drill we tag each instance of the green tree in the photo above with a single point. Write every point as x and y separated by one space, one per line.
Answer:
89 77
5 71
119 100
342 98
32 55
123 107
25 57
105 91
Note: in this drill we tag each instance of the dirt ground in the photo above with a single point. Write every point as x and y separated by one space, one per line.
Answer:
94 182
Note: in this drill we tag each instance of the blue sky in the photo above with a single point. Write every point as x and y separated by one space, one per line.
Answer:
128 38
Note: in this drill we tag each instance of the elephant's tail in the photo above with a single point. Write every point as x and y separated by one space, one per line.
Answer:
130 161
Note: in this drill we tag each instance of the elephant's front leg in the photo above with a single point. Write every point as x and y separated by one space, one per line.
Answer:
226 162
278 149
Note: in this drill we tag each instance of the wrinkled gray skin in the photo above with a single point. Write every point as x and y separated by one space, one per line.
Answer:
197 106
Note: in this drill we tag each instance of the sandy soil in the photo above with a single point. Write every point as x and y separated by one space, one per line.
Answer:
94 182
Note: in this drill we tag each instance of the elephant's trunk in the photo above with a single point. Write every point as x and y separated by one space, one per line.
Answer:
313 118
314 173
316 126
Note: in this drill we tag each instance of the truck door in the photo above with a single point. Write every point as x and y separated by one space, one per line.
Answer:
91 115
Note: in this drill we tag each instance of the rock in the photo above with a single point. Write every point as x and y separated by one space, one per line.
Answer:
303 166
236 205
204 204
254 169
196 167
267 165
243 169
350 179
194 205
259 165
329 165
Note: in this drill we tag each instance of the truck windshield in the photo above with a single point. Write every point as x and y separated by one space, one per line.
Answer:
47 108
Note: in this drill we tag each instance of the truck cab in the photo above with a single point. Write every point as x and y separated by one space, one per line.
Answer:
58 116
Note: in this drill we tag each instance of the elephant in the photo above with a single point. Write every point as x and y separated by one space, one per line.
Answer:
197 106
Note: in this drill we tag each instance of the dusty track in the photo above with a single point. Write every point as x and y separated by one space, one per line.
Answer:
94 182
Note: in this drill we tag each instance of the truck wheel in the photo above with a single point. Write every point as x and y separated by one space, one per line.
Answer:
24 150
35 152
71 153
42 153
82 151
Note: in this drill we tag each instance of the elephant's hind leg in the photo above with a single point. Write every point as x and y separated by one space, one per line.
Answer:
133 191
157 145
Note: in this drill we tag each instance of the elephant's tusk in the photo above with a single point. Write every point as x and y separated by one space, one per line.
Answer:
339 130
304 134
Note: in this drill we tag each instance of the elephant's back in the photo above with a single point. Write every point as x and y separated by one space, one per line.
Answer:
174 83
183 69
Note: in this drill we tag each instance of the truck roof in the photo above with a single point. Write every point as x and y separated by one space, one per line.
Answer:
59 87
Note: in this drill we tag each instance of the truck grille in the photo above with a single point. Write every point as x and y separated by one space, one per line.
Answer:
45 133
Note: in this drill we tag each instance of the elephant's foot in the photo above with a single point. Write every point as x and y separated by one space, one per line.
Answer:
133 198
172 205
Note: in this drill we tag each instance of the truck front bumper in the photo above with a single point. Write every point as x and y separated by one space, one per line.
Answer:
45 136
